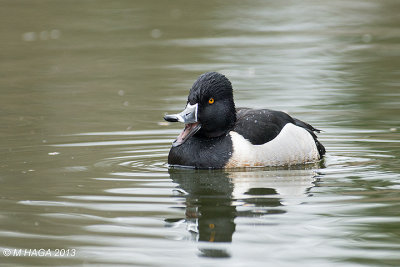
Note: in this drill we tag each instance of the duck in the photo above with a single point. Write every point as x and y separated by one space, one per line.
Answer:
217 135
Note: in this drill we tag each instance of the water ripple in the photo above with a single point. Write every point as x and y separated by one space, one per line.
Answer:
144 154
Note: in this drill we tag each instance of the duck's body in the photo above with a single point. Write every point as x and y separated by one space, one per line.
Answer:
217 135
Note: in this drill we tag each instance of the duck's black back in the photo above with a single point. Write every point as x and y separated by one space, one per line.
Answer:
260 126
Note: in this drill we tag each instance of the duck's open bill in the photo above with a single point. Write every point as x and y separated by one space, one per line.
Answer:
189 130
189 118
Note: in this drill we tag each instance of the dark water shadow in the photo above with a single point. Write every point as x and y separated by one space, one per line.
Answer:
215 198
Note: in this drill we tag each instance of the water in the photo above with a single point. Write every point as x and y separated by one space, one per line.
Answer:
84 86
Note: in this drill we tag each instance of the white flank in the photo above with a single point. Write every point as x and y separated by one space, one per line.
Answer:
293 145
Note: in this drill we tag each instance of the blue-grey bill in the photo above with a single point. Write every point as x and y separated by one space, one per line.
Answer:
189 115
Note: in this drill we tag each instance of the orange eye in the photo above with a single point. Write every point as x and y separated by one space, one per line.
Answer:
211 100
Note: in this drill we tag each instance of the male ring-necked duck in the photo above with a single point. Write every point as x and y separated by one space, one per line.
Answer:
218 135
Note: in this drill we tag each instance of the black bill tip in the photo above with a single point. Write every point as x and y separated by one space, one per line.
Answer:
171 118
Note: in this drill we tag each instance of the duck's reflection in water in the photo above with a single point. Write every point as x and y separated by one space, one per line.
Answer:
214 198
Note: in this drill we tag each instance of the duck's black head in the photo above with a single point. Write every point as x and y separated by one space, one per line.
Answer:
210 110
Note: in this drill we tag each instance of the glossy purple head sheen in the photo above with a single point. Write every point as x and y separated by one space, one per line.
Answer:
218 118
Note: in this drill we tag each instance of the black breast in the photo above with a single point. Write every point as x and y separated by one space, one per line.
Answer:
202 152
